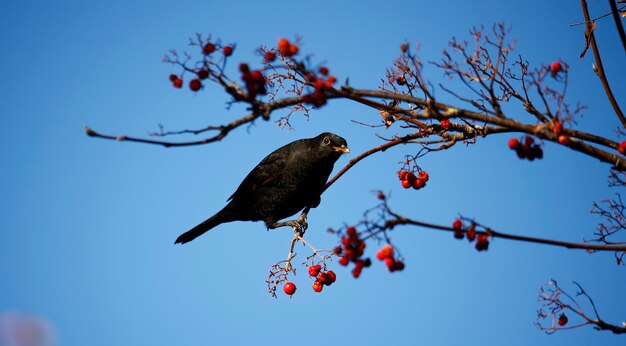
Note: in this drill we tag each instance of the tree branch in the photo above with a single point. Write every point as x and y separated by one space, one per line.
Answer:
396 220
600 67
618 23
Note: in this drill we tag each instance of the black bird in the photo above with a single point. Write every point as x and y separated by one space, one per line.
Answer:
286 181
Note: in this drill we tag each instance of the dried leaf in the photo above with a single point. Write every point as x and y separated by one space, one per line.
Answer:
588 32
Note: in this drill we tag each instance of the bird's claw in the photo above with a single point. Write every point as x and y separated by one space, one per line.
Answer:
299 225
302 222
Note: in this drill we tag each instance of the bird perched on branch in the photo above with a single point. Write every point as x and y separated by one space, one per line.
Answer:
285 182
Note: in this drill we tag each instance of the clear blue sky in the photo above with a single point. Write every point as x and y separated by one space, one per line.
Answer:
87 226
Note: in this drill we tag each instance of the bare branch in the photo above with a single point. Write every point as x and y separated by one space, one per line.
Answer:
599 67
618 22
556 302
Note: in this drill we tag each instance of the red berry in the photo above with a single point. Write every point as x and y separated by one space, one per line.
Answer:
406 184
293 49
227 50
351 232
557 127
332 277
244 68
417 183
404 47
397 266
203 74
367 262
564 139
289 288
380 195
323 278
458 234
356 272
344 260
528 141
401 80
195 84
178 83
457 224
314 270
269 56
538 153
337 250
622 148
349 253
513 143
482 242
323 70
384 252
389 262
471 233
256 76
403 175
173 77
319 85
445 123
208 48
556 67
562 320
423 175
283 46
318 286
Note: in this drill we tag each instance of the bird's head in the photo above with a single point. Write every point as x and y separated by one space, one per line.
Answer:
333 142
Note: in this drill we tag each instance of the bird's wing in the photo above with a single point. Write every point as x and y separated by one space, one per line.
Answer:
264 174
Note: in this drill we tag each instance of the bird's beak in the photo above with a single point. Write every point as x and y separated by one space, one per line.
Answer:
342 149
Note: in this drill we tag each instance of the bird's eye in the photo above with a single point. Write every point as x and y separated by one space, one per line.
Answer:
326 140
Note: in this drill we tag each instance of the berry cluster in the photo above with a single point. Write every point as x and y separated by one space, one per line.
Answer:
526 148
482 239
351 250
255 81
386 254
286 48
321 83
322 278
202 73
557 129
177 82
408 179
210 47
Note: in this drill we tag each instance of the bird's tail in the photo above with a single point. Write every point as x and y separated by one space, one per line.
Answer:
203 227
